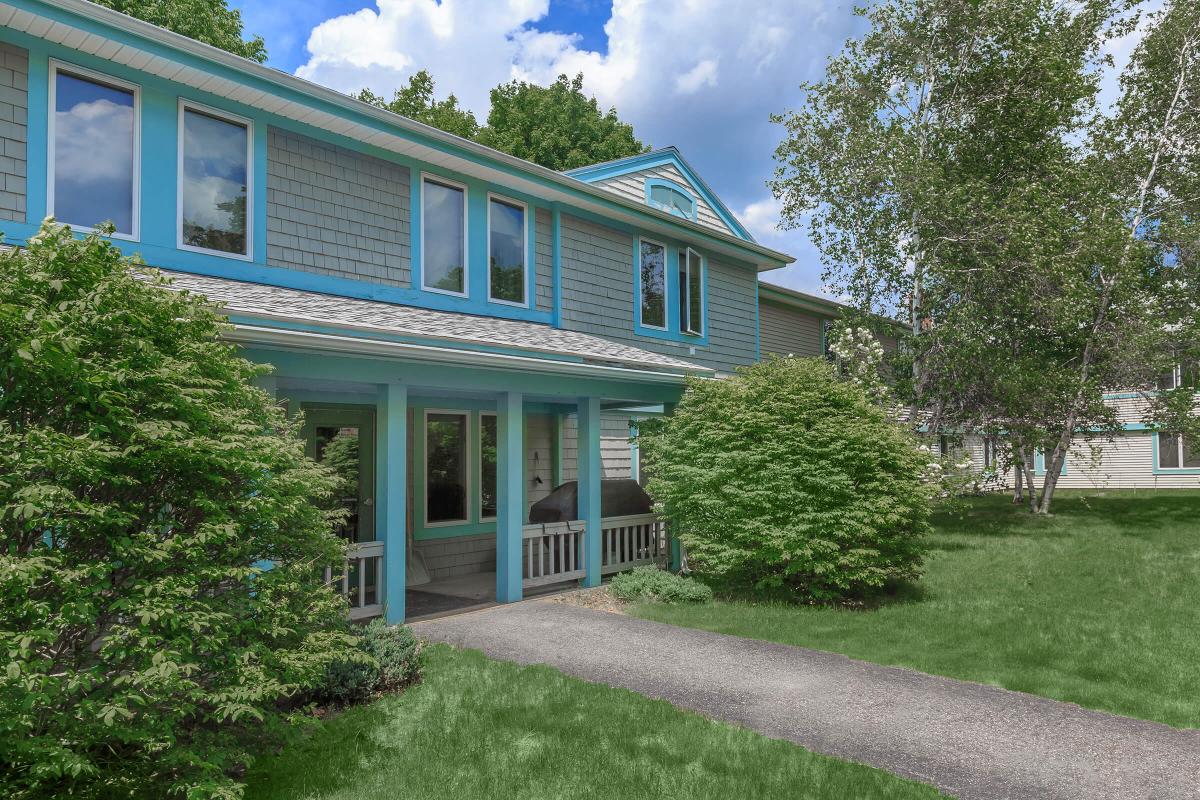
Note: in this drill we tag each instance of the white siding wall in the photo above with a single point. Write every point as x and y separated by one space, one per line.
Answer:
633 186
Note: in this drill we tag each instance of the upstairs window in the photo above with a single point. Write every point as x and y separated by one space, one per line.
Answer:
214 180
691 292
443 236
506 251
668 197
1176 452
94 150
1180 375
652 269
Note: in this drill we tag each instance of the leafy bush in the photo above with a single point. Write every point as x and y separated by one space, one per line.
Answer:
652 583
391 664
143 480
786 477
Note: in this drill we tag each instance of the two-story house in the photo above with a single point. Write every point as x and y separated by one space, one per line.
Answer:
465 329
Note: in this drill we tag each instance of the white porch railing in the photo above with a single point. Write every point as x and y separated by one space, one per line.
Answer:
627 542
553 552
360 579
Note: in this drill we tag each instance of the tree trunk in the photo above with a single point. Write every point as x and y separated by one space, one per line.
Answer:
1053 469
1027 470
1018 470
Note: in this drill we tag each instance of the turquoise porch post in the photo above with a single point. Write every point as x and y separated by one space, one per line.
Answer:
590 471
676 551
394 422
510 493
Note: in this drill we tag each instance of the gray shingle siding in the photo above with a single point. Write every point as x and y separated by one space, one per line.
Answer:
598 297
332 211
14 120
544 261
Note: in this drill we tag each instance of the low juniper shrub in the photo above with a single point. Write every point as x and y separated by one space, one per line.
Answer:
390 663
652 583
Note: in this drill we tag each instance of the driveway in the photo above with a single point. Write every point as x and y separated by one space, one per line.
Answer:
971 741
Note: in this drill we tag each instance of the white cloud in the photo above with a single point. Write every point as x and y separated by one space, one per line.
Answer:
704 75
762 218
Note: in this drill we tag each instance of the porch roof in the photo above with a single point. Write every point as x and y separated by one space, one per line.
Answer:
305 310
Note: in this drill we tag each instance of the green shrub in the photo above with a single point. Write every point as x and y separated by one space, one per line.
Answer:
143 481
785 477
390 665
652 583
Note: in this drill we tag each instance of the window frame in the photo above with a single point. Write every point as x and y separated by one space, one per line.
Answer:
1180 451
216 113
641 293
989 452
466 238
685 300
509 201
650 183
104 79
479 461
467 461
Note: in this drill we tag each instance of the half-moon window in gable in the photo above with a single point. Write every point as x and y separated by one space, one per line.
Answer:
670 198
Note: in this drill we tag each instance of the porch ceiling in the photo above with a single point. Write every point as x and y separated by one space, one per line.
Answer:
371 319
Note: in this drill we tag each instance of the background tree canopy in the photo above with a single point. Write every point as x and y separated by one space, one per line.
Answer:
557 126
209 21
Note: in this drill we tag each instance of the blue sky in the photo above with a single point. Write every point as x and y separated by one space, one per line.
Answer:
703 75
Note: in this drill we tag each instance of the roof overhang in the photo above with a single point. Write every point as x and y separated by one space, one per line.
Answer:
104 33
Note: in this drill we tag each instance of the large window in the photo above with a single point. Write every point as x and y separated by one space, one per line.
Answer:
443 236
652 268
487 466
691 292
506 251
1176 452
446 460
93 158
214 180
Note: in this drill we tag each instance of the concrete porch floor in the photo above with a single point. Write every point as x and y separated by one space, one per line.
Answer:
446 596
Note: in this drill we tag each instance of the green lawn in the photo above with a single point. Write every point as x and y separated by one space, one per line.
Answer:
477 728
1098 605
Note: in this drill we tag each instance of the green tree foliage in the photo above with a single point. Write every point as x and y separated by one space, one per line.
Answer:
143 484
786 476
956 170
209 21
557 126
416 101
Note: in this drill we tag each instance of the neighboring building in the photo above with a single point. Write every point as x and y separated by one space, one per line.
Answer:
476 327
794 323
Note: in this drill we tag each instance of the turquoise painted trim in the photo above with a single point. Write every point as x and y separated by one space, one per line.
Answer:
393 423
652 182
557 266
656 158
160 44
675 559
591 469
1039 463
510 459
672 333
1125 395
36 133
1165 471
634 468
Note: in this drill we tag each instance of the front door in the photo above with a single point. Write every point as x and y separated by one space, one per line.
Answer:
343 439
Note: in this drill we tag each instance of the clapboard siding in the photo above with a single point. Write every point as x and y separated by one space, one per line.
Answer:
598 274
615 448
461 555
539 457
786 331
633 186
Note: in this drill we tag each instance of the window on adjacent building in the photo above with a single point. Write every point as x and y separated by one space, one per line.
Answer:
214 169
487 466
669 198
691 292
446 459
1180 375
989 452
1176 452
652 275
506 251
443 236
93 158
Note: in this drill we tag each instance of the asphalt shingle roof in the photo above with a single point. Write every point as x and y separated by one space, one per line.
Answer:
366 316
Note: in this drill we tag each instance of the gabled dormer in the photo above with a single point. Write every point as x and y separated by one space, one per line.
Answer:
664 180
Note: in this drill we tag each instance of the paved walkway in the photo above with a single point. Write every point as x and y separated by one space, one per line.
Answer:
971 741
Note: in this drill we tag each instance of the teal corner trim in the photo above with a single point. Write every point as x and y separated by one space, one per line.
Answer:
510 460
392 427
590 472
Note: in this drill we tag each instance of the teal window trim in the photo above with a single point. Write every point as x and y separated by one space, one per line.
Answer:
1154 459
186 104
672 331
55 66
433 177
1039 463
685 294
672 185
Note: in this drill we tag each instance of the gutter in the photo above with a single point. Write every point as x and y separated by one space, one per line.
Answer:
175 41
332 343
